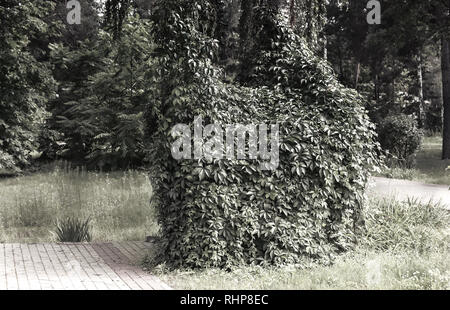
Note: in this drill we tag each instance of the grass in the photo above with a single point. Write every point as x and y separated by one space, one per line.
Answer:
428 168
117 204
360 271
405 246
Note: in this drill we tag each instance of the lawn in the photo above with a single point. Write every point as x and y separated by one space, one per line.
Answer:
118 204
428 168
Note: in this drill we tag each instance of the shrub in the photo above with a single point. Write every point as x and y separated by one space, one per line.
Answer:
401 137
73 230
218 213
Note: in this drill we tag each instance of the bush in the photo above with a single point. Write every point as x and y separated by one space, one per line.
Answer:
218 213
401 137
405 246
73 230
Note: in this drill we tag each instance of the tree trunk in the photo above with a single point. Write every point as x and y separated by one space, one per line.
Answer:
246 39
377 88
421 99
292 14
358 69
445 66
341 65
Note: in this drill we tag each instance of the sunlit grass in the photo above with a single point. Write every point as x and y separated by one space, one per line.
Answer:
118 204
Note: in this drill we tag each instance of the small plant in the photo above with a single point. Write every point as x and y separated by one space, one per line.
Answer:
73 230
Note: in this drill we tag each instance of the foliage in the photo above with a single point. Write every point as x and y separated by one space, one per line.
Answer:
218 213
305 18
308 20
428 167
100 118
73 230
400 136
395 59
25 83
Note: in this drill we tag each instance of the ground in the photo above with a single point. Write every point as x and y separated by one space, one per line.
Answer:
93 266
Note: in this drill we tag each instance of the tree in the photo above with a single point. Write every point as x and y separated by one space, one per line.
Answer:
98 116
25 83
305 18
432 24
218 213
389 58
445 63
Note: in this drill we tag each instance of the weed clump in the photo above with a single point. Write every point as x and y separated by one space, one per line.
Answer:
73 230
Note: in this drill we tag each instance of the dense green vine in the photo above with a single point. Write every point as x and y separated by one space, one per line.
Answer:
218 213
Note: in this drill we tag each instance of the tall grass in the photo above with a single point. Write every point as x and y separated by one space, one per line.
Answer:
118 204
406 226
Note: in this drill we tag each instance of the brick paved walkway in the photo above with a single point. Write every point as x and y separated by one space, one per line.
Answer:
93 266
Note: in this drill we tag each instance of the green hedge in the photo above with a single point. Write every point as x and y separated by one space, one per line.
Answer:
220 213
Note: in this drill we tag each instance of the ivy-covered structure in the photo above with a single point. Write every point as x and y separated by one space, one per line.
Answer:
219 213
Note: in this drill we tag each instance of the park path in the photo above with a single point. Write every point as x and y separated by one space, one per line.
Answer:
404 189
75 266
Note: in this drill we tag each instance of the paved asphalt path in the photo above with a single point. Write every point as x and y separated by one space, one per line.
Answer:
404 189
